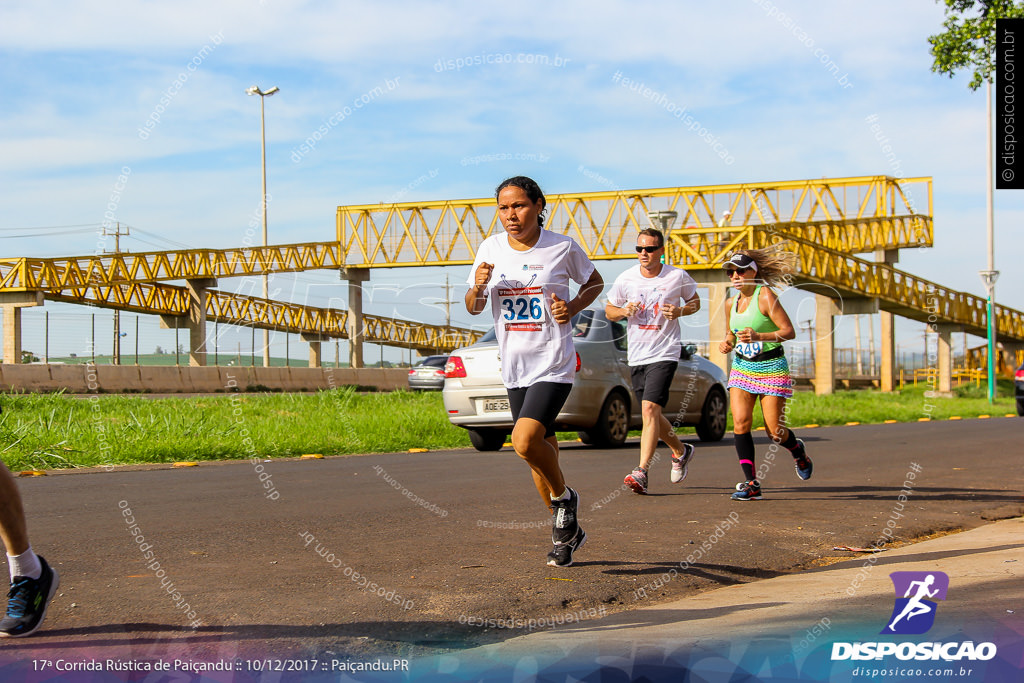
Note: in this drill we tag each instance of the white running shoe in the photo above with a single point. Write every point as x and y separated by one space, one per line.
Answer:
679 465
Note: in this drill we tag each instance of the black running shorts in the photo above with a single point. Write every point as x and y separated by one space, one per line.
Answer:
652 382
541 402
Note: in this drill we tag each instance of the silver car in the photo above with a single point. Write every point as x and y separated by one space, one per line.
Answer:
428 373
601 407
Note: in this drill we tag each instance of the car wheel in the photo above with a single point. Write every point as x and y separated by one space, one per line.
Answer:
613 423
713 416
487 439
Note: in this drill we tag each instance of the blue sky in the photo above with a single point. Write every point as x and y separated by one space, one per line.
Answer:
466 95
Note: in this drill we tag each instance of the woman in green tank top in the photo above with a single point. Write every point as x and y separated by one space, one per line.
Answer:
757 325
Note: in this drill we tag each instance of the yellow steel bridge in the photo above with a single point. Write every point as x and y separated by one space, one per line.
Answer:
843 230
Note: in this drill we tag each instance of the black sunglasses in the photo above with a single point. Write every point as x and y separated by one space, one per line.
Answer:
649 250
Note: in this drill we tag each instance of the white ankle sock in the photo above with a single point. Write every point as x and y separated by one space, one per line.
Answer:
565 495
26 564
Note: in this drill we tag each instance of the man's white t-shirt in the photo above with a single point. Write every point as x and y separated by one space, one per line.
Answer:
534 348
652 337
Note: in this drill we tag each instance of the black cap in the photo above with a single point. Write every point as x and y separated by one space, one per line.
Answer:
740 262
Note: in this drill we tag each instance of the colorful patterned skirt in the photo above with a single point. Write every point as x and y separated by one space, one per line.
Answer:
763 377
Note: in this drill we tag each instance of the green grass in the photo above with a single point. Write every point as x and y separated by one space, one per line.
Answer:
907 405
43 431
49 431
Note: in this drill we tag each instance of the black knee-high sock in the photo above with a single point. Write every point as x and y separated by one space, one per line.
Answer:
790 444
745 452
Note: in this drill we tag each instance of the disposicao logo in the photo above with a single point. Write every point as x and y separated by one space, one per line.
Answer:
912 614
916 592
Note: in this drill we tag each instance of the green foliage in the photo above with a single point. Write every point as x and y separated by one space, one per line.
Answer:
968 41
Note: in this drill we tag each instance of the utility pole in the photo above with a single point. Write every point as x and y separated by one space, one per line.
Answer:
447 301
116 353
871 343
809 326
856 328
925 359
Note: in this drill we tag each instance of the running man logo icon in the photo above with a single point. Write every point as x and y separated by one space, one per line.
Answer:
914 611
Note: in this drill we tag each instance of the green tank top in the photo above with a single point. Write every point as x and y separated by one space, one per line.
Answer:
754 319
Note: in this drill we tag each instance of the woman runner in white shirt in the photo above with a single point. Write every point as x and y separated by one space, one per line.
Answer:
525 273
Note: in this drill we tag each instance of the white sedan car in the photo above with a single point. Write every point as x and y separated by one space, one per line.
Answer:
601 407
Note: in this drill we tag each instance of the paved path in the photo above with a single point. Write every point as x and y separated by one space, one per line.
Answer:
417 550
786 627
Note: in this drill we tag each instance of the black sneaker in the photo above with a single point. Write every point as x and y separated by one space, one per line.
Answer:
27 602
561 554
803 464
565 527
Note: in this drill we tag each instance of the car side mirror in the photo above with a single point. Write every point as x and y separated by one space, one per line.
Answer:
687 351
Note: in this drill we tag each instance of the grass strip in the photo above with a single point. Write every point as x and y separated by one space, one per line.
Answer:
53 431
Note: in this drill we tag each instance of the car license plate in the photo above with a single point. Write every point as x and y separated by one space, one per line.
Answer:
496 405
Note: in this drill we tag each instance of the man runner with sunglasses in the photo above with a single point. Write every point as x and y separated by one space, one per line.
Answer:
648 295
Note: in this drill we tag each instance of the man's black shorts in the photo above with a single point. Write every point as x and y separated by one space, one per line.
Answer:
541 402
652 382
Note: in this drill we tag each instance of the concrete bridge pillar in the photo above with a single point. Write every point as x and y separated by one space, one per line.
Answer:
354 323
825 310
197 319
888 348
194 321
314 341
945 358
888 324
717 282
12 303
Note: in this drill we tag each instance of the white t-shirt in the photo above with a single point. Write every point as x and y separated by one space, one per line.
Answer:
651 336
534 348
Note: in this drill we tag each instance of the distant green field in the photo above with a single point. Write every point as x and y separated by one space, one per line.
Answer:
44 431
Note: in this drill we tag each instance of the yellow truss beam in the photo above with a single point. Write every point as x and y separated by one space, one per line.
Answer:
250 311
826 219
23 274
856 214
850 276
851 214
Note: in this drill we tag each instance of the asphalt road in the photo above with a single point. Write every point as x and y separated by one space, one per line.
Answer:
455 538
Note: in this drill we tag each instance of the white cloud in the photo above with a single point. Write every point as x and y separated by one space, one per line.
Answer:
77 91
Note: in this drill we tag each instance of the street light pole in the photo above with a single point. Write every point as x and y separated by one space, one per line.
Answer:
989 277
663 220
254 90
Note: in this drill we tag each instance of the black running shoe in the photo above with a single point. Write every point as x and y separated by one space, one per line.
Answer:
565 527
561 554
803 464
27 602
